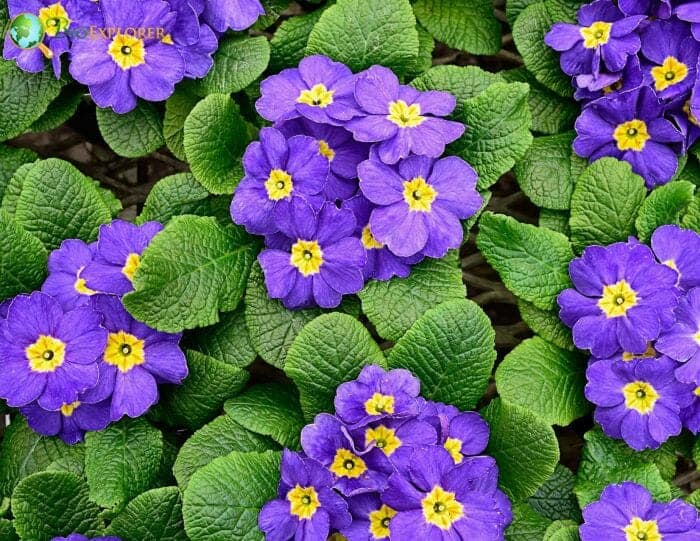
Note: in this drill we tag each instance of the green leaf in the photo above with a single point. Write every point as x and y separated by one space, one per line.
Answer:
362 33
223 499
556 220
202 395
181 194
191 270
691 220
155 515
562 530
272 327
24 452
14 188
227 341
555 499
24 97
273 10
134 134
7 531
424 60
329 350
58 202
605 203
10 160
524 446
215 138
177 108
563 10
60 110
109 199
469 25
122 461
498 132
289 42
694 498
271 409
464 82
546 324
527 524
220 437
606 461
451 349
551 113
664 206
238 61
529 30
51 504
394 305
533 262
548 171
545 379
514 7
22 259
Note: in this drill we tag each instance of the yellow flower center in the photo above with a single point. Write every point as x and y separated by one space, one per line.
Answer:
133 262
167 39
79 284
691 117
613 87
68 409
369 241
383 438
127 51
617 299
640 396
441 508
54 19
46 354
307 257
279 185
124 351
318 96
670 73
631 135
650 353
347 464
379 522
697 391
303 502
380 404
697 337
418 194
595 35
404 115
454 447
326 150
642 530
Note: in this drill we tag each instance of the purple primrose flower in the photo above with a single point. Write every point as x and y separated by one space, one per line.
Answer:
630 126
65 282
319 261
277 171
46 354
626 511
682 341
70 422
401 119
420 203
234 14
678 248
621 300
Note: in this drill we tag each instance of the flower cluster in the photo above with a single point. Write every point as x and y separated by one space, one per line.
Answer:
637 309
389 464
128 49
72 359
634 66
628 511
349 185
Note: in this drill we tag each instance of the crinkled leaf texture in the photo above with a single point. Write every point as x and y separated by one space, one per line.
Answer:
223 499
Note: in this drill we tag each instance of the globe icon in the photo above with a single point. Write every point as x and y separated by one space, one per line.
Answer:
26 31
